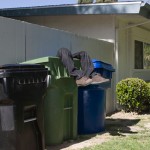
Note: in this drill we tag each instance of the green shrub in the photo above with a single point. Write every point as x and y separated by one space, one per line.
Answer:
85 1
133 94
99 1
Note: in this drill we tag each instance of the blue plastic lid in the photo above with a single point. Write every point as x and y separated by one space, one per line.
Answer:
101 64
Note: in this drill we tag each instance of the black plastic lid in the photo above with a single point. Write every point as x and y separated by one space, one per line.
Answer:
22 70
21 66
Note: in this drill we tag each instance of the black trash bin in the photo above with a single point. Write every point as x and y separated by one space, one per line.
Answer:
22 88
92 101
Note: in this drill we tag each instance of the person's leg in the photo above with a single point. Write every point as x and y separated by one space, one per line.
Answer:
88 67
66 57
86 63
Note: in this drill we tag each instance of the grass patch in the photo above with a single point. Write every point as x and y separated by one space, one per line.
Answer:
128 134
133 142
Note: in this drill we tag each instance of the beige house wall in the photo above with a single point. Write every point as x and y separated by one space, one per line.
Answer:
140 35
126 51
108 28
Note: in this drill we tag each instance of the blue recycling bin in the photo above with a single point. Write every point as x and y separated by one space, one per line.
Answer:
103 68
92 102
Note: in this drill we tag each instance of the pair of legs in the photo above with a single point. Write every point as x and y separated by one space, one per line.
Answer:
86 75
67 59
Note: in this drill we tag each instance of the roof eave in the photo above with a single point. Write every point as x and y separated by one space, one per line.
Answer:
101 8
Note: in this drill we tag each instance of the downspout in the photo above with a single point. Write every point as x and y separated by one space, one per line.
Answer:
25 30
116 56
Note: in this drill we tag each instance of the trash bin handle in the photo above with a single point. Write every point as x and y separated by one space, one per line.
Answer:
30 120
48 80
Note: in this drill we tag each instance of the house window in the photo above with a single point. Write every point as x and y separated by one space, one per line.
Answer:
142 55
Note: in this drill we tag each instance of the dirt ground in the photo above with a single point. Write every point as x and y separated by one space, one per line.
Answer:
119 123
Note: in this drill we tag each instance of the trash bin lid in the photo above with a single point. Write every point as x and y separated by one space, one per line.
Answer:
101 64
21 66
11 70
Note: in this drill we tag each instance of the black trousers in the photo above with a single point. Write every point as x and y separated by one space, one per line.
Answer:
86 64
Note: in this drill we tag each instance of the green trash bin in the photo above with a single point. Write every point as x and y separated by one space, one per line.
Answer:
60 108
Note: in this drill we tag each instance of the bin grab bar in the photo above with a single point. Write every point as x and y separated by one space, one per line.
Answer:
29 120
67 108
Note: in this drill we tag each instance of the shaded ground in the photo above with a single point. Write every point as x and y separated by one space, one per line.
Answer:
117 124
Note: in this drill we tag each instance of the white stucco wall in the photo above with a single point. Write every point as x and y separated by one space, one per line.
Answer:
104 27
22 41
108 28
100 27
43 41
123 55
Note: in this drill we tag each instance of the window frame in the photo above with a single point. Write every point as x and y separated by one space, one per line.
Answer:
142 55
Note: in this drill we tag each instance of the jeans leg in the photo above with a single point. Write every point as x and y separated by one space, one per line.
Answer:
66 57
86 63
